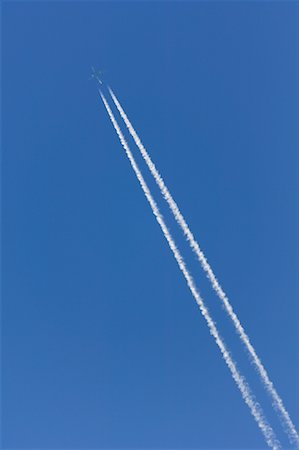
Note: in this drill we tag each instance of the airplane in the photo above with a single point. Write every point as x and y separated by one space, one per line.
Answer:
96 74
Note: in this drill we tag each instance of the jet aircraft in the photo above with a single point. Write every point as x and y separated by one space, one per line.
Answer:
96 74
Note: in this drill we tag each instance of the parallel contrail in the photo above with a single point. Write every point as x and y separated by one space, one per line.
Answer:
277 401
254 407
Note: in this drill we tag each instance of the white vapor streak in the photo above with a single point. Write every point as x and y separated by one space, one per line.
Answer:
254 407
277 401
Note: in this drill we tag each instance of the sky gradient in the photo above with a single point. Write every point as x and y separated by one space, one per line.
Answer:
103 345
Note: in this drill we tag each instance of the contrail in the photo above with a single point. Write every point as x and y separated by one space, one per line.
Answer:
276 400
254 407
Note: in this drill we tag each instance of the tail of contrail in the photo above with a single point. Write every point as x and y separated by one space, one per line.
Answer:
240 381
277 401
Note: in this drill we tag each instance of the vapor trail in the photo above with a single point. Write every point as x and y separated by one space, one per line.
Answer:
254 407
276 400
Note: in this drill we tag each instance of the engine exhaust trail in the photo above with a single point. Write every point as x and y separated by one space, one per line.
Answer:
254 407
276 400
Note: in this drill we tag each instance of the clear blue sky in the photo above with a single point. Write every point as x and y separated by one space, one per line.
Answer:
103 345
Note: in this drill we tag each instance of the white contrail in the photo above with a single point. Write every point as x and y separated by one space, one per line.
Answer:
240 381
277 401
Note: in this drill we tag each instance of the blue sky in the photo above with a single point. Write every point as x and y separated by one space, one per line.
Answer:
103 345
